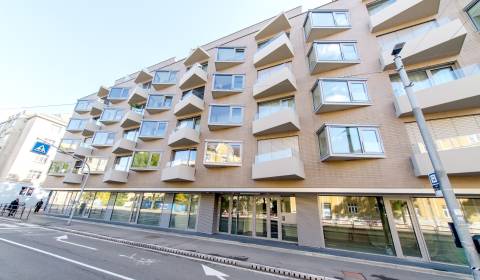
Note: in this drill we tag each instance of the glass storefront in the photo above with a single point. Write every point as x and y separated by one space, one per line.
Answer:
151 209
125 207
184 211
99 205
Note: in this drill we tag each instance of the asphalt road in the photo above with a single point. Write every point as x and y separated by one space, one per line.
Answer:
30 252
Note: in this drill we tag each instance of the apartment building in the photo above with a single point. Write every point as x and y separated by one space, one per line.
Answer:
294 129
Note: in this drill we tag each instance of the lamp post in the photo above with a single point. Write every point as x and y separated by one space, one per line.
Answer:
449 195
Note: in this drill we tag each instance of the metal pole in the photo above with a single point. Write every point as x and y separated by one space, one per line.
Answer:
452 204
82 187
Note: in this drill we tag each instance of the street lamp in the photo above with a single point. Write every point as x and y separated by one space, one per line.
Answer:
445 186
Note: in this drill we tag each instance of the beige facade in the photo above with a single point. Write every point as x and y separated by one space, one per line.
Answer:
293 61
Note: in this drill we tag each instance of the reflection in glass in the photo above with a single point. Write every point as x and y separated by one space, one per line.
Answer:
99 205
403 224
151 209
124 207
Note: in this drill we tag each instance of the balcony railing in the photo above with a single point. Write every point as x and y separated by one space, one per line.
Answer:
278 165
286 153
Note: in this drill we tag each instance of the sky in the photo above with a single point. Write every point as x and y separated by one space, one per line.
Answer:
55 51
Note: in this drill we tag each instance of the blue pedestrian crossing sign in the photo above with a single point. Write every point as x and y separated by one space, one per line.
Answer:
40 148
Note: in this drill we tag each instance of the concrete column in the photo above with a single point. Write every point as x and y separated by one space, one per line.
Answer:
308 221
206 213
167 210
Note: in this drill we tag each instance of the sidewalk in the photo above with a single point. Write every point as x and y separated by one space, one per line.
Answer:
325 262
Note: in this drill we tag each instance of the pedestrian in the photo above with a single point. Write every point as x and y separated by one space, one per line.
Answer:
38 206
13 207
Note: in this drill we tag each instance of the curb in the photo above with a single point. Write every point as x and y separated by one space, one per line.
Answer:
200 256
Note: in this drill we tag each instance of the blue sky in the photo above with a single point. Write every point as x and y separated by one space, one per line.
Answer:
56 51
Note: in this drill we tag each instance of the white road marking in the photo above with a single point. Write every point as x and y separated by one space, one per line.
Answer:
67 259
8 226
215 273
64 238
140 261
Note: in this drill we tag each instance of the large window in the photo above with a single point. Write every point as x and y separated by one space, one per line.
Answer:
124 209
277 148
159 101
193 123
130 134
329 19
335 51
228 82
339 91
58 167
226 114
230 54
76 124
154 129
165 77
198 92
118 93
99 205
70 144
103 138
269 107
97 164
222 153
183 157
379 5
83 105
473 11
112 115
151 209
267 72
146 160
122 163
356 224
184 211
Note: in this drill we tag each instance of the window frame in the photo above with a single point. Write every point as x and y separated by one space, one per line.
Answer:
217 59
147 107
232 79
104 144
116 98
470 5
140 136
94 170
341 45
332 12
117 110
70 139
174 153
175 73
231 107
66 170
207 141
320 85
89 105
127 166
85 121
150 153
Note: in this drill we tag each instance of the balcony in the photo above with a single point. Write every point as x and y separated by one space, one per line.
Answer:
196 56
351 93
194 77
318 30
90 128
183 136
103 92
188 105
278 50
441 42
143 76
178 173
82 107
333 60
115 176
401 13
73 178
284 120
96 108
276 25
123 146
280 165
164 79
462 93
458 162
131 119
281 81
139 96
82 151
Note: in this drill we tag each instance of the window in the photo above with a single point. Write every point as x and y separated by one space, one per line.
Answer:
473 11
379 5
124 208
70 144
277 148
118 93
352 208
425 78
40 159
76 124
349 140
263 44
327 19
159 101
151 209
335 51
225 114
183 157
267 72
153 129
269 107
165 77
83 105
147 85
112 114
99 206
102 138
228 82
97 164
146 160
339 91
34 174
131 134
138 108
184 211
58 167
230 54
198 92
122 163
327 211
223 153
193 123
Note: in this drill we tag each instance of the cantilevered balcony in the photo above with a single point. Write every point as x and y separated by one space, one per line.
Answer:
83 106
403 12
198 55
115 176
82 151
143 76
462 93
103 92
183 136
90 128
194 77
188 105
278 49
463 161
73 178
123 146
276 25
284 120
323 23
139 96
279 82
178 173
279 165
441 42
131 119
96 108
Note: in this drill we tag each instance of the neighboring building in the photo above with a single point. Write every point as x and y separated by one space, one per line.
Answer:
17 136
293 129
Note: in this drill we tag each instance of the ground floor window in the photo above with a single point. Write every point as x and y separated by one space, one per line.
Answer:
99 205
124 208
151 209
184 211
84 204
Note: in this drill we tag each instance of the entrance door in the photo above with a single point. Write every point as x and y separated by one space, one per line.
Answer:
406 232
273 215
